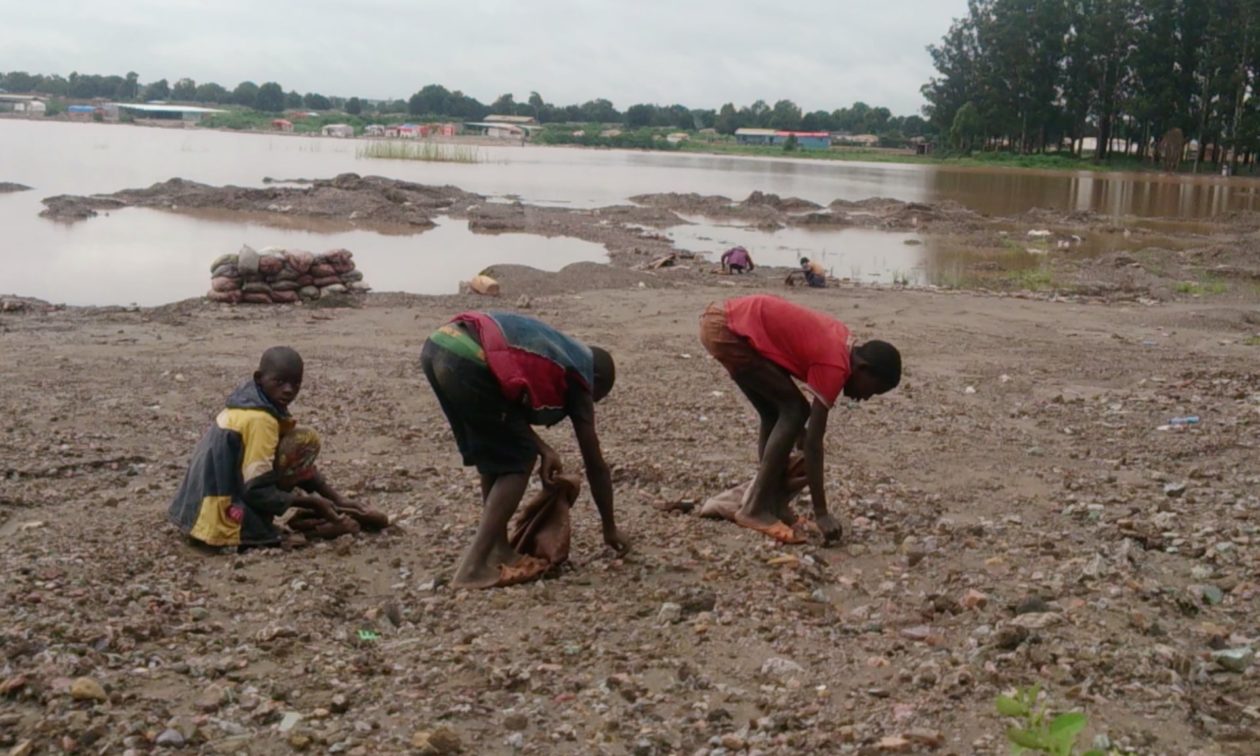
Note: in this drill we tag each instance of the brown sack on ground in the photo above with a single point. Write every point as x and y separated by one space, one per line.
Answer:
726 504
543 526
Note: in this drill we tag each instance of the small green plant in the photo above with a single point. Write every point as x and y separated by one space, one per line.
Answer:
1252 340
1037 731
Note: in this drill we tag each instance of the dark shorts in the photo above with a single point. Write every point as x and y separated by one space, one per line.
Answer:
493 434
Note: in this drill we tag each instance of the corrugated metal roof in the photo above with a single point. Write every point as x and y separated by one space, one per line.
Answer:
148 108
755 132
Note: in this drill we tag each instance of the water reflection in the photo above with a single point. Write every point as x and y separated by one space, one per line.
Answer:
151 257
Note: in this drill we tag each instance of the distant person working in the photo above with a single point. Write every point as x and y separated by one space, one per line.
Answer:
737 260
815 276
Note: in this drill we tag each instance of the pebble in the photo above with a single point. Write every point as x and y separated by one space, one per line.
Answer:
670 613
289 721
1234 659
170 738
87 689
780 667
437 742
973 599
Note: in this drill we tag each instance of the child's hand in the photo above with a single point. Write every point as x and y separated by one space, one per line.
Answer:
551 467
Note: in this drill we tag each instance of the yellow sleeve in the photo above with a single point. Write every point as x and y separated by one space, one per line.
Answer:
260 435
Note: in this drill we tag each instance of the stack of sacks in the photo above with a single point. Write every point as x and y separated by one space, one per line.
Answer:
278 276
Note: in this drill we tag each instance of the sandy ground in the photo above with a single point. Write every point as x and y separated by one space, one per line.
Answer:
1013 515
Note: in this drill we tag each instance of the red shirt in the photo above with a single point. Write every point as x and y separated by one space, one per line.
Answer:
811 346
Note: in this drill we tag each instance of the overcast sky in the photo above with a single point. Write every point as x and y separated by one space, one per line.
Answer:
822 54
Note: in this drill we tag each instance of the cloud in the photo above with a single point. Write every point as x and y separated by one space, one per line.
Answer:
821 54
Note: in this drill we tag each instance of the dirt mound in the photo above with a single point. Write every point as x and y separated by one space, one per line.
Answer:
9 186
517 280
348 197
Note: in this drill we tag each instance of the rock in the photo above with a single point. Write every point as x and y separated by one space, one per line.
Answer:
170 738
929 738
780 667
732 742
436 742
289 721
1234 659
516 722
670 613
25 748
515 741
393 613
1008 637
87 689
339 704
973 599
211 699
894 744
524 302
299 742
1037 620
1174 490
1032 605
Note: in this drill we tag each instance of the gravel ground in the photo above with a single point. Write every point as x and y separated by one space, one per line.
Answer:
1014 513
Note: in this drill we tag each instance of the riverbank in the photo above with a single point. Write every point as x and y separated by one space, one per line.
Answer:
1013 514
1043 251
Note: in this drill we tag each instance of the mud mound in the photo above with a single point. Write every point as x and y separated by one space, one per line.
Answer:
349 197
517 280
9 186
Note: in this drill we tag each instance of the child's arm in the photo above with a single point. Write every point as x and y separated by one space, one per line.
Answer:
815 432
551 465
599 476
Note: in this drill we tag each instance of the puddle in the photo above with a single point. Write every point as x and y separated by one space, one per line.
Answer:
855 253
150 257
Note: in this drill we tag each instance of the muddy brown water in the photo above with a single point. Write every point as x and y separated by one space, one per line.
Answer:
150 257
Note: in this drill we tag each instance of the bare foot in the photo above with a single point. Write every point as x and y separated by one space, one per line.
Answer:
770 525
483 572
369 519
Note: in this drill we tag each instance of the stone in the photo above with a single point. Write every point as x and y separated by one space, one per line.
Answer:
24 748
780 667
1008 637
87 689
437 742
670 613
516 722
1234 659
289 721
1032 605
170 738
929 738
211 699
1037 620
894 744
973 599
299 742
1174 490
516 741
339 704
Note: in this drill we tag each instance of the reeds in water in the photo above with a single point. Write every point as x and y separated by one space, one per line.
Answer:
429 152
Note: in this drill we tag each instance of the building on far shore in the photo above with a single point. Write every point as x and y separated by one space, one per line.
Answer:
806 140
282 124
158 111
339 130
27 105
855 140
513 119
497 129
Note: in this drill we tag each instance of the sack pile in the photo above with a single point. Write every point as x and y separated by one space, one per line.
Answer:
279 276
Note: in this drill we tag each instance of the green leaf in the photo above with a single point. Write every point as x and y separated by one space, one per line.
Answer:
1068 725
1024 738
1094 752
1009 707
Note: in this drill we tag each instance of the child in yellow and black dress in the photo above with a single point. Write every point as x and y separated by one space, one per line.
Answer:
255 463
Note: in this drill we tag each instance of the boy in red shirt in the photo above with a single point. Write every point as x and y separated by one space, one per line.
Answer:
764 342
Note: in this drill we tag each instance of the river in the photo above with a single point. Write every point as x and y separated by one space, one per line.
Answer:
149 257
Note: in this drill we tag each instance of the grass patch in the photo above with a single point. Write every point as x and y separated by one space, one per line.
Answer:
1207 284
1032 279
428 152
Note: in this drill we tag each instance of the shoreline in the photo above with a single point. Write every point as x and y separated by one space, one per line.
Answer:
1043 251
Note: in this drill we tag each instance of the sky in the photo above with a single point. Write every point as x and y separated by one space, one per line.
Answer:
822 54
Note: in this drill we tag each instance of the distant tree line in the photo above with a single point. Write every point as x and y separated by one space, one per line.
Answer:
436 101
1032 75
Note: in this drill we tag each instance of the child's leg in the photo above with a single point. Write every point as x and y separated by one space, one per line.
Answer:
775 388
766 411
479 567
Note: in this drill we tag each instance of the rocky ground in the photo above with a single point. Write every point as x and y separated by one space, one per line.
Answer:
1020 511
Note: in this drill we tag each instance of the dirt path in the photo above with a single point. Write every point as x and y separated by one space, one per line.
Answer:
1131 552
